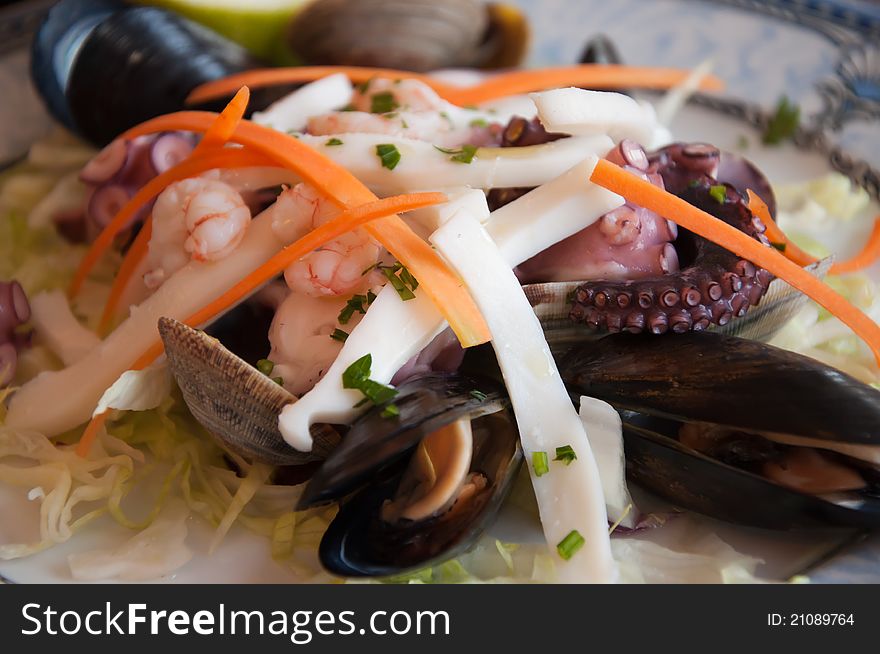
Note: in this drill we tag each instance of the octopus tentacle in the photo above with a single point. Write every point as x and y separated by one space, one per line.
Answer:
713 288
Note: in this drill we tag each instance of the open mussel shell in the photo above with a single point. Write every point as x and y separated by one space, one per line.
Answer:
359 542
420 35
600 49
105 66
234 401
696 482
735 382
425 404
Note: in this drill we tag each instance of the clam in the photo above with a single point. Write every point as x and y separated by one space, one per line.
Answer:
103 66
234 401
737 429
431 478
419 35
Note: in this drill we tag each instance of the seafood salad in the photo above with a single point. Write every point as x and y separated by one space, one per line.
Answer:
366 314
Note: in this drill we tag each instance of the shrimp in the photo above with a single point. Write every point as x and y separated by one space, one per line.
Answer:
423 126
199 219
407 94
302 349
409 109
338 267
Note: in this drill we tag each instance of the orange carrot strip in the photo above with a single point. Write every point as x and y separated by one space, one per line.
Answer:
224 126
90 434
600 76
791 251
334 181
866 257
133 257
669 206
188 168
521 81
263 77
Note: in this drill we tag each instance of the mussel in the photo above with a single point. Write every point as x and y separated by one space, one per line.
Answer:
739 430
431 478
419 35
103 66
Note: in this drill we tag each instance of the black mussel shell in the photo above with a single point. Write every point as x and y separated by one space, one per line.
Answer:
600 50
696 482
103 67
710 377
359 544
374 442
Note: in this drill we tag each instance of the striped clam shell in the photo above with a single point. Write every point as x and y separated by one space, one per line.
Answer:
234 401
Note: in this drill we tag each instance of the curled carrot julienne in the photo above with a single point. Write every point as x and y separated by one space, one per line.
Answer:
498 86
133 258
869 254
791 251
224 125
340 185
232 158
341 224
673 208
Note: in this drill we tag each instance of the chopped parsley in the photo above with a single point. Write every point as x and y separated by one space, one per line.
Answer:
265 366
540 463
778 246
464 155
565 454
479 122
363 87
357 377
400 278
388 154
479 396
278 380
357 303
339 335
570 544
783 123
719 192
383 103
445 116
332 142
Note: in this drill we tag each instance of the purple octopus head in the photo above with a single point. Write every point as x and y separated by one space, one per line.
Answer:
681 163
627 243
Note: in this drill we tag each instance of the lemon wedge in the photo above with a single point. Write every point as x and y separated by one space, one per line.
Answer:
258 25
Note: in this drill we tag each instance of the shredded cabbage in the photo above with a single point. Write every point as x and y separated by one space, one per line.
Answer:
813 214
